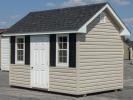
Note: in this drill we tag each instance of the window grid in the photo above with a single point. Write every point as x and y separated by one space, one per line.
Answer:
20 49
62 49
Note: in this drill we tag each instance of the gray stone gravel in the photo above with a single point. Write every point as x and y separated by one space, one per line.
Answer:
10 93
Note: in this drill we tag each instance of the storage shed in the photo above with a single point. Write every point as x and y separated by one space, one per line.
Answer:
4 51
76 50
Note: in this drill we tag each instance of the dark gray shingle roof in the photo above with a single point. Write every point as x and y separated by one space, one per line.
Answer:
56 20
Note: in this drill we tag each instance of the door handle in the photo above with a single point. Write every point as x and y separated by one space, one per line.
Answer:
31 67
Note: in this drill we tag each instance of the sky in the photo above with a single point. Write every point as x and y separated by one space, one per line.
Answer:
12 11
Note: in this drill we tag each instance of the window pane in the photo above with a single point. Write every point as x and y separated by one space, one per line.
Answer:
60 45
60 53
64 39
64 60
64 53
60 59
20 40
21 58
20 46
20 52
64 45
18 57
60 39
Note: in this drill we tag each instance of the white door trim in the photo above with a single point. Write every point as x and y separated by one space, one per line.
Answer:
47 54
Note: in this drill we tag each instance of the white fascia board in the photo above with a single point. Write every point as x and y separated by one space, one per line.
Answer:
39 33
125 31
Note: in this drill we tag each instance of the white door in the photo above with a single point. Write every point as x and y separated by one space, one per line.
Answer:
40 61
5 53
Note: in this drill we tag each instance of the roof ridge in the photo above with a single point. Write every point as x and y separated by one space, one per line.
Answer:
69 7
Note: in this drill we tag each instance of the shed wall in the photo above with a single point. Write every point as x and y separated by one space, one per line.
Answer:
101 58
5 53
19 75
63 80
126 52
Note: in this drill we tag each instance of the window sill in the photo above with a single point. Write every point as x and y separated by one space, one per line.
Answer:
18 64
62 65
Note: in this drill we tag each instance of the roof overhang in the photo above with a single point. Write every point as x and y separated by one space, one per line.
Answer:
125 31
41 33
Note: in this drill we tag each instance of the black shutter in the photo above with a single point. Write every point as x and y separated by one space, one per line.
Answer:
27 50
53 50
12 40
72 50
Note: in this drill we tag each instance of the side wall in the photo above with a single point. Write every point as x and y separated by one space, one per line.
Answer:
101 58
63 80
5 53
19 75
126 52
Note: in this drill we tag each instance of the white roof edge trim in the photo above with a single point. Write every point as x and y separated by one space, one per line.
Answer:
125 31
39 33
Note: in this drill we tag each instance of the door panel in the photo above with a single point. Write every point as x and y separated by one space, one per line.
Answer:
40 61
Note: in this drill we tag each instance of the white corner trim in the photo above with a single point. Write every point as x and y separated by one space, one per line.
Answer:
40 33
125 31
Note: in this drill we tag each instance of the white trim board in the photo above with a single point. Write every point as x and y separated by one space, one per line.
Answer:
40 33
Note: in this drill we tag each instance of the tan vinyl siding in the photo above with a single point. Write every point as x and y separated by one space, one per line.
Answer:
126 52
101 58
63 80
20 75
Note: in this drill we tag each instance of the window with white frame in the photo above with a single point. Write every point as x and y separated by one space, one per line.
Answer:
20 49
62 49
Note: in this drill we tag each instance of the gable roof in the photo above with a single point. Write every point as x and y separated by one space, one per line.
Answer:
56 20
65 20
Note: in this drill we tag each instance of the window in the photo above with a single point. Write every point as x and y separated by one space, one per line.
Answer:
62 49
102 18
20 49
